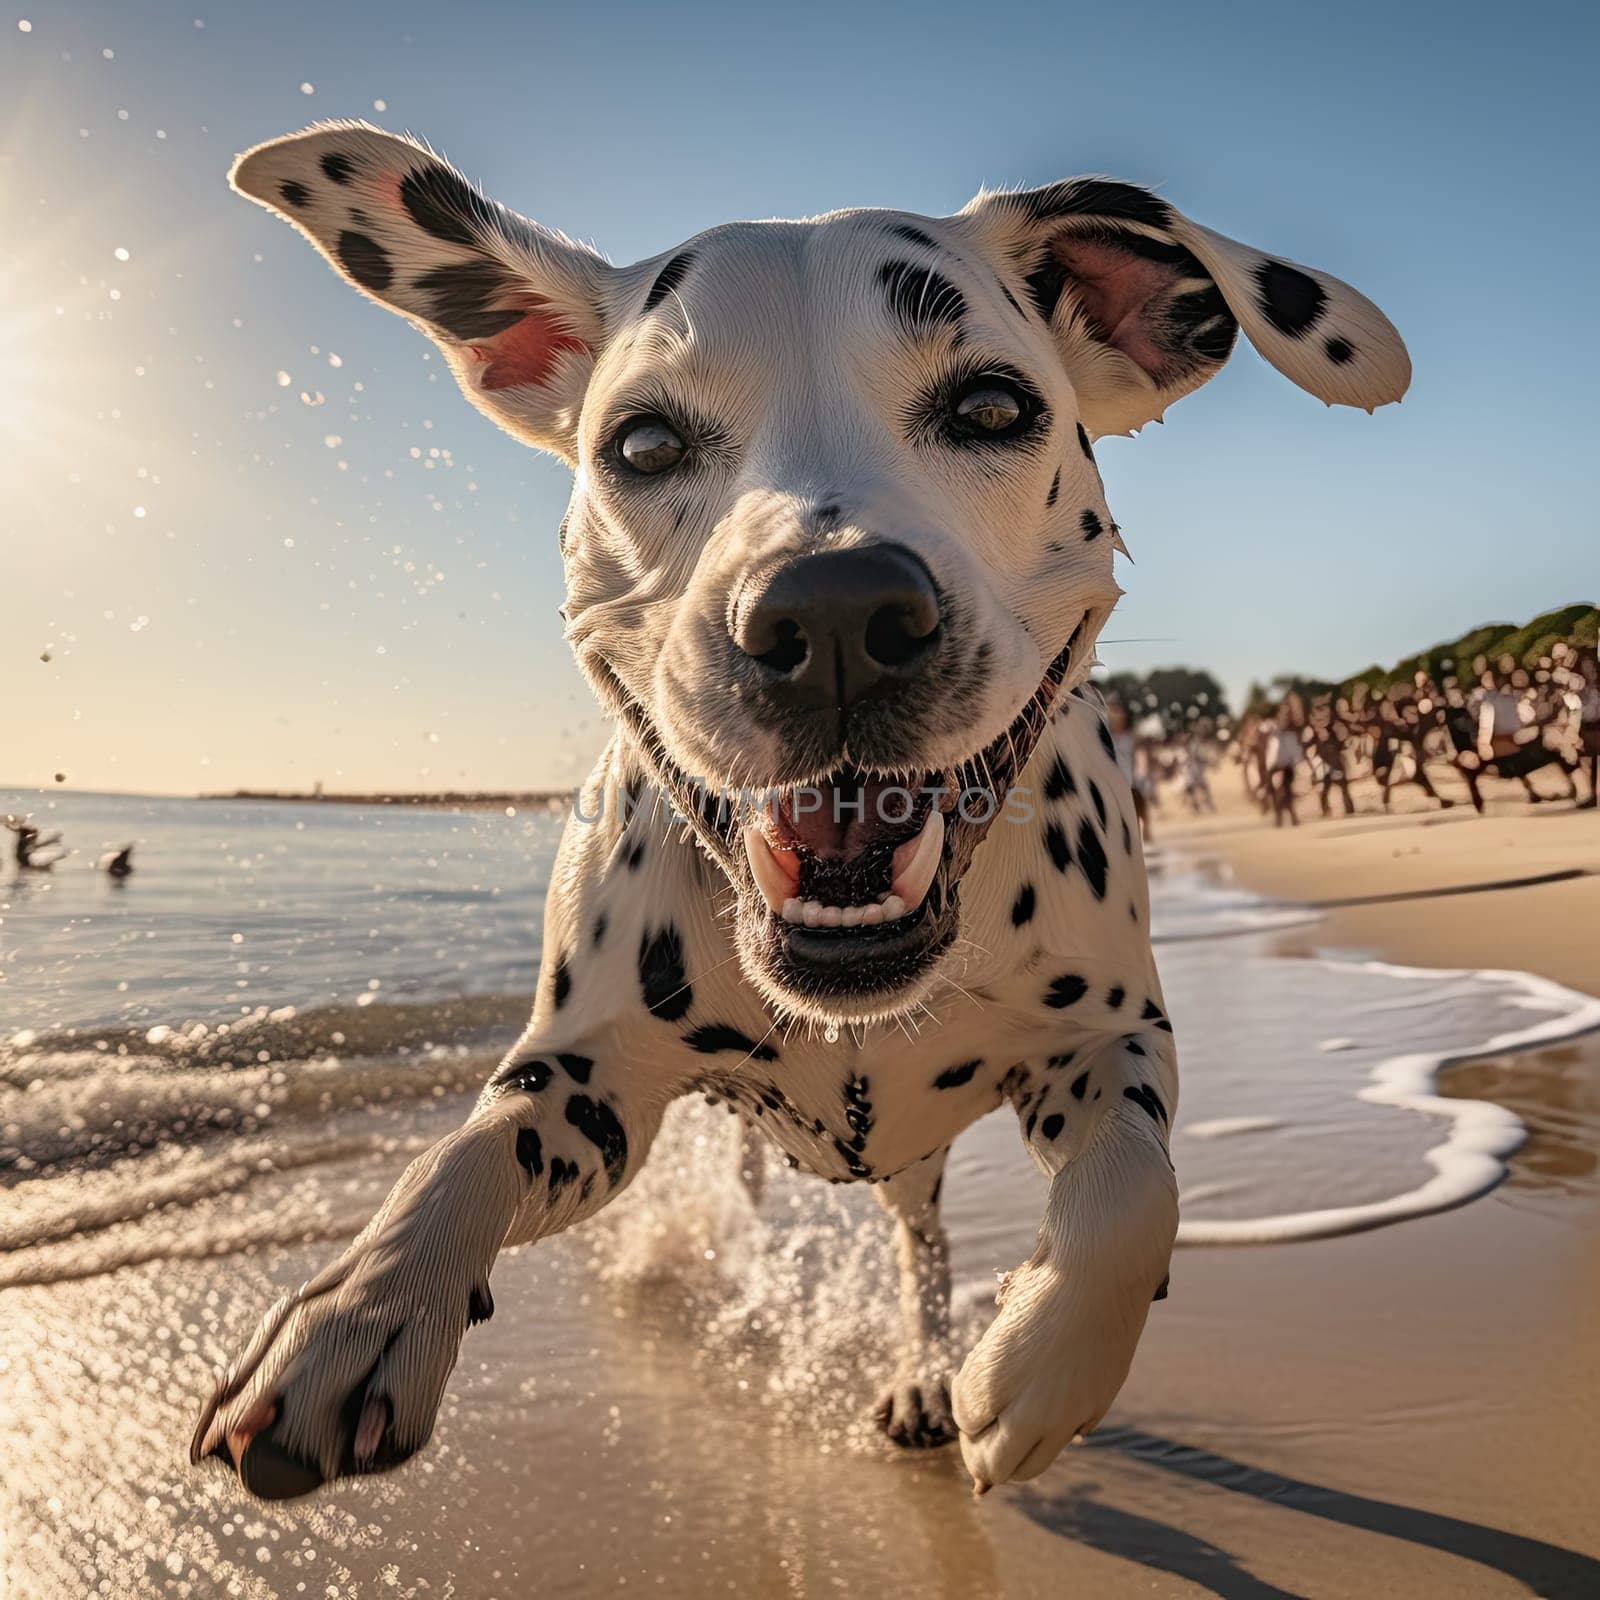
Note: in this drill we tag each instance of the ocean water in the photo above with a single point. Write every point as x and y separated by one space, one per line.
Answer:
211 1074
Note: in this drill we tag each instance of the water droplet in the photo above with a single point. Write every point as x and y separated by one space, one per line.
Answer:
831 1033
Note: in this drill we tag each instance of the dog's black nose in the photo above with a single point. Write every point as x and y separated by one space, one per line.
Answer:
842 625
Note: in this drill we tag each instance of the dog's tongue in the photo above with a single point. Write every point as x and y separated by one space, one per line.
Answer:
838 820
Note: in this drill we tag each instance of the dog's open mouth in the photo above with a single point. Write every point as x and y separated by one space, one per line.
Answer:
851 852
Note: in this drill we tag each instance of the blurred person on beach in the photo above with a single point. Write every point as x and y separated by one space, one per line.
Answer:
1329 731
1285 750
30 842
1125 746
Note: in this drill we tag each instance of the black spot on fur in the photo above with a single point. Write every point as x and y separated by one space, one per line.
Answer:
1091 524
561 983
1106 741
598 1123
921 300
562 1172
1084 445
599 932
1055 489
444 204
459 297
668 279
524 1077
1093 197
577 1068
1290 301
1045 284
1127 837
337 168
1092 858
1058 781
296 194
661 975
1012 301
1055 841
1065 991
712 1037
1149 1101
904 230
1099 801
1135 1048
1052 1125
636 856
1079 1084
480 1305
1339 351
1161 1289
1115 995
1022 906
365 260
1151 1011
1065 1059
954 1077
530 1151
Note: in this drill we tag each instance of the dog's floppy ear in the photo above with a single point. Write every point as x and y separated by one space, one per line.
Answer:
515 308
1146 304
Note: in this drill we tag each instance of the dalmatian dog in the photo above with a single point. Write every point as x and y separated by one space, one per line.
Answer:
859 859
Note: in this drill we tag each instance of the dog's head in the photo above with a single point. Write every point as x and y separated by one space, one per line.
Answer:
837 539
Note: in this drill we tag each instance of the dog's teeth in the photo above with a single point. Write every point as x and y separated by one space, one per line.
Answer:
792 910
871 916
811 914
852 916
893 908
768 868
915 863
832 916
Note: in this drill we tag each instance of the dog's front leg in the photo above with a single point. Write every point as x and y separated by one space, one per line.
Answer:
915 1409
344 1376
1070 1317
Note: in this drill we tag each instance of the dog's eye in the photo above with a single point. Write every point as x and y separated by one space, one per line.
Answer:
650 445
988 406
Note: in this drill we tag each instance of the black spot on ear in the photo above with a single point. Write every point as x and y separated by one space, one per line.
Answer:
1290 301
1115 995
712 1037
1099 801
576 1067
530 1151
668 279
459 297
1093 197
1092 858
920 300
444 204
904 230
598 1123
296 194
1055 489
599 932
1022 906
1055 841
561 983
661 975
1079 1084
1106 741
1045 284
523 1077
1084 445
1052 1125
1338 351
1058 781
480 1305
365 260
1065 991
337 168
1202 322
1091 524
1148 1101
954 1077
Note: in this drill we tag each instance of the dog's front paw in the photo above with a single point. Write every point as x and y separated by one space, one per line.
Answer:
914 1412
343 1376
1046 1371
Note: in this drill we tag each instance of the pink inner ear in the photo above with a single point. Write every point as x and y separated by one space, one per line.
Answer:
1120 292
526 351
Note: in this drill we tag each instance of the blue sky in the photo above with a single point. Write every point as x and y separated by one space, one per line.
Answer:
227 598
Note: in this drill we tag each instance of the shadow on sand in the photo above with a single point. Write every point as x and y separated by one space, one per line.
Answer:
1544 1569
